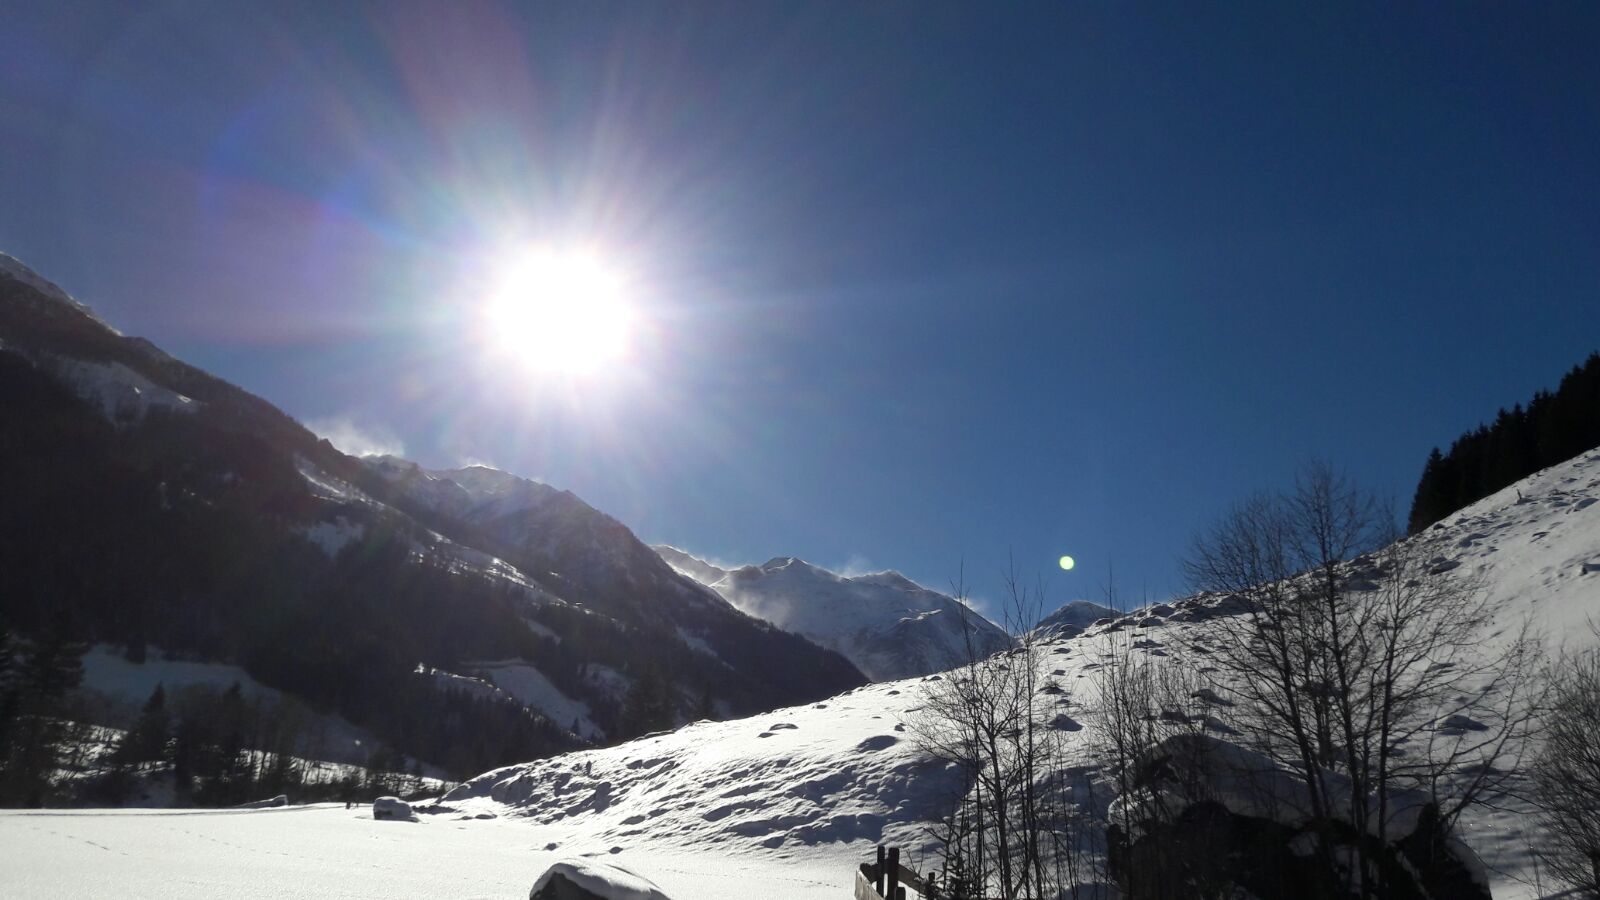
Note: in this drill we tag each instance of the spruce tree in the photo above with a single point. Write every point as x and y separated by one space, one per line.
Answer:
648 706
1552 428
51 669
147 740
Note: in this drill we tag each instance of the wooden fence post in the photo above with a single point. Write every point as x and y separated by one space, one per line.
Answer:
894 874
877 880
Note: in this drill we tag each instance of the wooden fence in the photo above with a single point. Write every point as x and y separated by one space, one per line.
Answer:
886 879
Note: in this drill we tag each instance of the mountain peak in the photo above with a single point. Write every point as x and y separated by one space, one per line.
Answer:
885 623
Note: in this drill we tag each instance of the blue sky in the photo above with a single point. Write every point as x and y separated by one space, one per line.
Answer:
924 284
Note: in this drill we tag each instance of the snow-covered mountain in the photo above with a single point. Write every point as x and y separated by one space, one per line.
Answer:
370 586
830 779
888 625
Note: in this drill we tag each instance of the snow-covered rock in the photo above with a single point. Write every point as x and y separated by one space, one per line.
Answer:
587 879
888 625
392 808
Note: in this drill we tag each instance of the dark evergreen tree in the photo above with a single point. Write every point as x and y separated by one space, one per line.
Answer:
649 705
52 667
147 740
1553 428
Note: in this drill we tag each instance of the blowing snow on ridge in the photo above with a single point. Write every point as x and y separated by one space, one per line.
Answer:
888 625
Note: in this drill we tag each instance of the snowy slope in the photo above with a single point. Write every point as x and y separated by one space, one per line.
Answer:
838 772
838 776
886 624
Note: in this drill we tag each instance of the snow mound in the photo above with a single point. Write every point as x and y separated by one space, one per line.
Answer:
602 881
836 772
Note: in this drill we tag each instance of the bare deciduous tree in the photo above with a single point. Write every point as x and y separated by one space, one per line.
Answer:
1138 702
1017 831
1567 776
1359 665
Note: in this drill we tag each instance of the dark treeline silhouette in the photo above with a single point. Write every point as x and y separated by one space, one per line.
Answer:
1553 428
218 748
37 725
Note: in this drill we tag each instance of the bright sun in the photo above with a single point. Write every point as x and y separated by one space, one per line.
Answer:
563 313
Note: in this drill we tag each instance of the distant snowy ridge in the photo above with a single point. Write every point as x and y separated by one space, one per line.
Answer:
888 625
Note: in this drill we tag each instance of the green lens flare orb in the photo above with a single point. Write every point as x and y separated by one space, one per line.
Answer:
1067 563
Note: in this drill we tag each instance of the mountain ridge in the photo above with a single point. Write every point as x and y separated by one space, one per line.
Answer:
888 625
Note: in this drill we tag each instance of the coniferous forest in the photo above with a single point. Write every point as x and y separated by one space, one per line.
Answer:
1552 428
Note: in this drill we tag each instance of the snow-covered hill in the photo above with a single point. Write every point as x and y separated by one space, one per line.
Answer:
835 777
1074 617
888 625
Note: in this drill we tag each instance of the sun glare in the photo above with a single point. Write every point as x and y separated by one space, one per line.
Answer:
561 313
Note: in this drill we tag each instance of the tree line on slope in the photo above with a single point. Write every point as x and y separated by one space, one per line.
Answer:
1552 428
209 746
